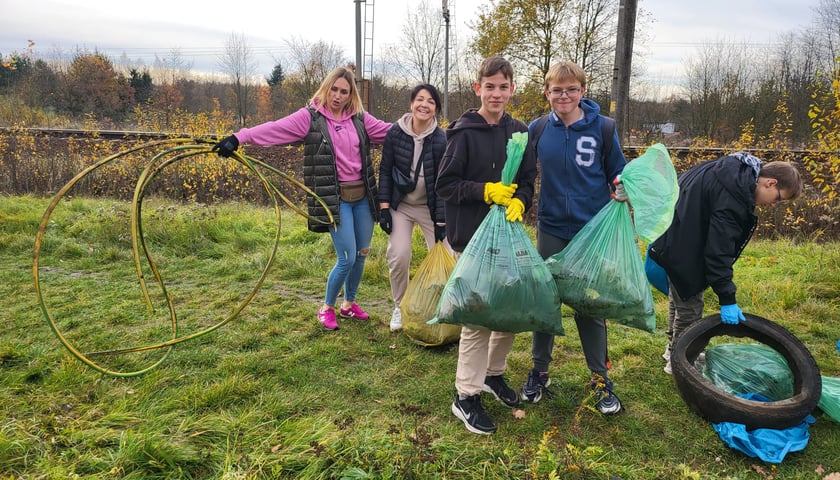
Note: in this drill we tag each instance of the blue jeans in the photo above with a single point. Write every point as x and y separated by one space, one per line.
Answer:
351 240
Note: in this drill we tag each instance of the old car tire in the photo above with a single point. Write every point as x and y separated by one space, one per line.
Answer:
716 405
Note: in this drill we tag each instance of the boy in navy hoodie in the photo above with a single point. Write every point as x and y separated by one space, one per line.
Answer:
578 165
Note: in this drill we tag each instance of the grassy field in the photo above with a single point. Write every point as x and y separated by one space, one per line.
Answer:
271 394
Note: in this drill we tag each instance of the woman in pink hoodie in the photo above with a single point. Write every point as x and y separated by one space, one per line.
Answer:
336 133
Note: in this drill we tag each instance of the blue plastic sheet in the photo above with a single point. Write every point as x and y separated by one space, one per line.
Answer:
767 444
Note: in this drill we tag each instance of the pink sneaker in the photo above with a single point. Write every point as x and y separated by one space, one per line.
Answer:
354 311
327 318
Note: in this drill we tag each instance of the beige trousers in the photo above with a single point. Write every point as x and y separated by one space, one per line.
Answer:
481 353
398 253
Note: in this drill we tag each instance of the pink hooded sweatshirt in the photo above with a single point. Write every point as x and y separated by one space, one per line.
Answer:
293 128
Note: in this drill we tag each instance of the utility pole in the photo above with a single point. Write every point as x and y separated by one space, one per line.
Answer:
359 35
446 63
620 95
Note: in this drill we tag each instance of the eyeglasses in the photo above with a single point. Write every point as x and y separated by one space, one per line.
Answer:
570 92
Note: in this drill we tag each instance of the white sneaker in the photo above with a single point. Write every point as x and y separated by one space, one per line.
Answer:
667 355
396 320
667 368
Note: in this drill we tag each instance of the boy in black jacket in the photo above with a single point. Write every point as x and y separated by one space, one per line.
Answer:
469 183
714 218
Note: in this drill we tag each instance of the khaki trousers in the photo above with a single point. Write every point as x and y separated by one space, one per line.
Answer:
481 353
398 253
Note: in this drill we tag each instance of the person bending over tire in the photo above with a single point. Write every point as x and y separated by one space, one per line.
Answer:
714 219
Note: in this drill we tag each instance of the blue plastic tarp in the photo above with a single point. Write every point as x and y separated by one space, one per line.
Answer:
770 445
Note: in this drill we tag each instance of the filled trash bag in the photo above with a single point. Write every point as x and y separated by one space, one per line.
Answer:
742 368
830 397
421 298
500 281
600 272
767 444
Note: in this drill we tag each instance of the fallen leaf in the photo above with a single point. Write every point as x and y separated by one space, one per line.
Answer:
518 414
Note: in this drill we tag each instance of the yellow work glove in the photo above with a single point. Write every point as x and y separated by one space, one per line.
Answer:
498 193
515 209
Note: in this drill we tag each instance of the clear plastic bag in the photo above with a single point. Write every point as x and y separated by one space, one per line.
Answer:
421 299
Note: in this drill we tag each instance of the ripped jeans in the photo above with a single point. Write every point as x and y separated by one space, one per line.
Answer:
351 240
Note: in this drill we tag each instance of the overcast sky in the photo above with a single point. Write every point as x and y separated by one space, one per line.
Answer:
199 30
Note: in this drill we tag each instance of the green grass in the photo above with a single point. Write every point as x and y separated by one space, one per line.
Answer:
273 395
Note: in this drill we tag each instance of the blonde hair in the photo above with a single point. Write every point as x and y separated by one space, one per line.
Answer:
321 97
565 71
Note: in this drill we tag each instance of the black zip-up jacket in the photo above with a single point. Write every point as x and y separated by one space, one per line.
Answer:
475 154
398 152
714 218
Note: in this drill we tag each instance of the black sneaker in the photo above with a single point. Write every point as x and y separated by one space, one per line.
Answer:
534 387
499 388
606 401
471 412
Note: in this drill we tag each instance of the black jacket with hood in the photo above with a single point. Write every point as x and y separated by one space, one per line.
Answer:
714 218
476 152
398 153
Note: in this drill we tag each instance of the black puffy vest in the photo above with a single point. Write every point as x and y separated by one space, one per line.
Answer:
319 171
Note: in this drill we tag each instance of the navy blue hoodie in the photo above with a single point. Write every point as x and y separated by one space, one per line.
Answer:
575 179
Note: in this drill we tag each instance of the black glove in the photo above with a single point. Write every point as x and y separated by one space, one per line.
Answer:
440 232
226 147
385 220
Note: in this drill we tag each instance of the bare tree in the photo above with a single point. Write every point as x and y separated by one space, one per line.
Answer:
419 56
720 79
239 65
168 70
313 61
827 15
534 34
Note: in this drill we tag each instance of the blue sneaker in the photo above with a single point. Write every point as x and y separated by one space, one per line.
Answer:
606 401
535 386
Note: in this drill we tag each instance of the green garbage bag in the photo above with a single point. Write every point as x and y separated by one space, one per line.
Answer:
651 185
500 281
421 297
600 272
742 368
830 397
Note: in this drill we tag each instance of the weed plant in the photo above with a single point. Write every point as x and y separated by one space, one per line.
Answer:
272 395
